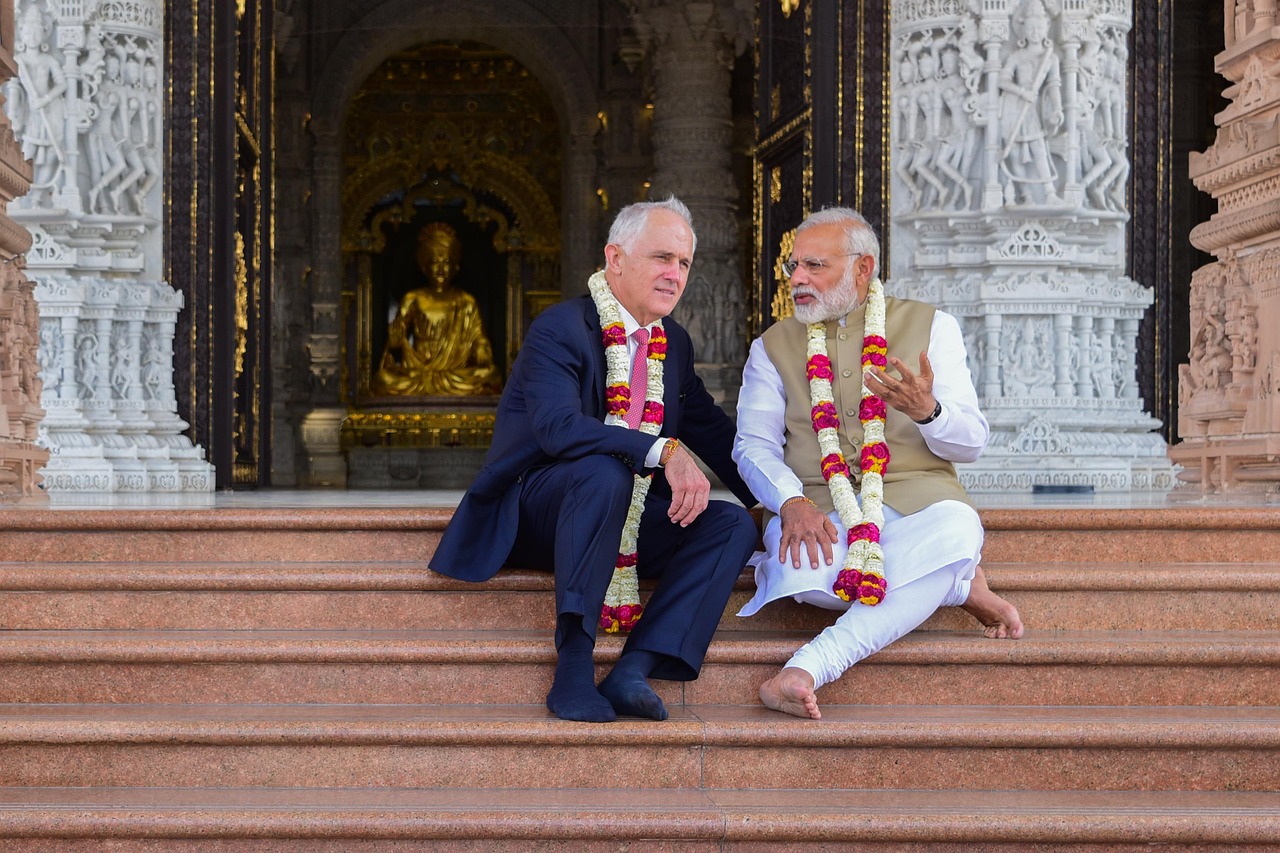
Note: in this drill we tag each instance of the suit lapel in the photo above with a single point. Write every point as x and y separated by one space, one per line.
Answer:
595 350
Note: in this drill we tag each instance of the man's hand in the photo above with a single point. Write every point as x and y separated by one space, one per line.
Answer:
912 395
805 528
690 489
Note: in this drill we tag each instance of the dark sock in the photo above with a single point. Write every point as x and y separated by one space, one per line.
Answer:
573 693
627 687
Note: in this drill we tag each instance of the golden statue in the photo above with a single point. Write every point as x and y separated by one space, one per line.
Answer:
436 343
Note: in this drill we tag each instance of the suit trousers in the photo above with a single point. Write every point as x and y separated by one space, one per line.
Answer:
571 518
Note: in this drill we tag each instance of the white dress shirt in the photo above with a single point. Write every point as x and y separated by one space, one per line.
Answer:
959 434
631 325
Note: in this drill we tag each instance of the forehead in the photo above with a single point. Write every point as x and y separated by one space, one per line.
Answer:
665 231
820 241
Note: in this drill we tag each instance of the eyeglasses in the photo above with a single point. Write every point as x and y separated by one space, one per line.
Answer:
813 266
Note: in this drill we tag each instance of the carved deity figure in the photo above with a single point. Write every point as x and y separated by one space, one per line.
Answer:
106 134
958 138
1210 350
1030 109
436 343
39 109
1095 159
1116 133
87 366
1029 363
915 110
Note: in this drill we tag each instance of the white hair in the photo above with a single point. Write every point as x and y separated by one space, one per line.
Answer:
631 220
860 239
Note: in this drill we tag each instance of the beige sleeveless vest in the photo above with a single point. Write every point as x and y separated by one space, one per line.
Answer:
916 478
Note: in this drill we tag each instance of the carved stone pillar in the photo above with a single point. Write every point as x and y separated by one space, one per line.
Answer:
88 111
321 427
694 45
1229 392
20 378
1010 166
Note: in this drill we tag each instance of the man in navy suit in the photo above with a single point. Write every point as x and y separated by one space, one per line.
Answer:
557 482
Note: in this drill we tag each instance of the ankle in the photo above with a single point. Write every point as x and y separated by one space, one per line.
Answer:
637 664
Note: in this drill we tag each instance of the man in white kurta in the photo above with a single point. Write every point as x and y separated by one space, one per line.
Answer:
932 536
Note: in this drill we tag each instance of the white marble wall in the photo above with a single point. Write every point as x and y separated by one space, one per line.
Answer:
88 109
1010 166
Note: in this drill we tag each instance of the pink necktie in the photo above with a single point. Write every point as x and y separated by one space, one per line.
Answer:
639 378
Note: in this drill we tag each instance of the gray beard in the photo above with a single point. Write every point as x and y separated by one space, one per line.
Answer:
831 304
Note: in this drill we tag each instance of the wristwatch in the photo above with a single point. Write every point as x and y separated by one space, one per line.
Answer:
933 416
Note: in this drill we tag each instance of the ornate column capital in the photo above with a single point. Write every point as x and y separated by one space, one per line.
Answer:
717 23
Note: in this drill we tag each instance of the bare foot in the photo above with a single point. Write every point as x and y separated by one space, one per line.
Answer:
1000 618
791 692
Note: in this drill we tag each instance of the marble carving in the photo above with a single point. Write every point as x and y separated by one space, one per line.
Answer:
1010 168
87 109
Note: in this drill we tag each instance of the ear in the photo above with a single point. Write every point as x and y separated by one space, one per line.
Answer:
863 268
613 256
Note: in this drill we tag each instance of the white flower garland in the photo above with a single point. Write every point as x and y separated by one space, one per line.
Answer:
863 573
622 599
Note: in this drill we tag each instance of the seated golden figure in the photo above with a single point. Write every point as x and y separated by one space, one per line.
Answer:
436 343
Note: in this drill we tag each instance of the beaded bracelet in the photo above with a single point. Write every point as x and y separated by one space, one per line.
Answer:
793 500
667 451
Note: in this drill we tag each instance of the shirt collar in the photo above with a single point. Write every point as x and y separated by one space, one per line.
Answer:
629 324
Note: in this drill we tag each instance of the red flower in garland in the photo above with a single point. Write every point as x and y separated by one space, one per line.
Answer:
867 531
617 399
872 408
834 464
847 583
875 458
825 416
614 335
819 367
872 588
657 343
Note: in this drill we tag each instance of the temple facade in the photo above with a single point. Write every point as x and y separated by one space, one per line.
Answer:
296 243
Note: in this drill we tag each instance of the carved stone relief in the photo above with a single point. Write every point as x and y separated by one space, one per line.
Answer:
1010 170
88 112
1229 410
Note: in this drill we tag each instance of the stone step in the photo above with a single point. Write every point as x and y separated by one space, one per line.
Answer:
513 666
595 820
279 534
715 746
408 596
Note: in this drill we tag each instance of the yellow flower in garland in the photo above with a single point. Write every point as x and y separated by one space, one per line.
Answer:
862 577
622 606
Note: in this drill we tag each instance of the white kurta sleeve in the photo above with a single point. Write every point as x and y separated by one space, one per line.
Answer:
757 449
961 432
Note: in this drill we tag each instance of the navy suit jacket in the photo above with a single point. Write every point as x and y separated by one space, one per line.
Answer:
553 409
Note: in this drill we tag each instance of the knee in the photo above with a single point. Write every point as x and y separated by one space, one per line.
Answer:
740 528
602 480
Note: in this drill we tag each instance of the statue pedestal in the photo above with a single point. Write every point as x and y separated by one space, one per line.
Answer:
409 448
413 468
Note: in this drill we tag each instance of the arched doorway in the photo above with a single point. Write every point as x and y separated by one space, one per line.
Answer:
457 138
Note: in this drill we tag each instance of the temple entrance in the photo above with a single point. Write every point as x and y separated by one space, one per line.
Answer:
450 247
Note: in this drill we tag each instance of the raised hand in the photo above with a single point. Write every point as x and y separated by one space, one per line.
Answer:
911 394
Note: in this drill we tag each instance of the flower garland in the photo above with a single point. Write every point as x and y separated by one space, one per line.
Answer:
862 577
622 606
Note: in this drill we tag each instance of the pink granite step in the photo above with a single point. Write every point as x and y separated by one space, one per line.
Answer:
512 666
1174 534
239 820
893 746
408 596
